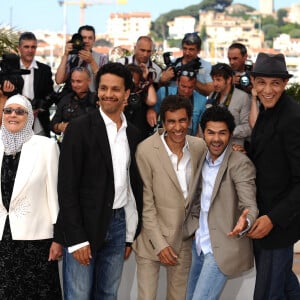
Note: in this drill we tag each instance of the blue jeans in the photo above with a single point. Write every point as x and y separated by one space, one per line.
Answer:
274 276
101 278
206 280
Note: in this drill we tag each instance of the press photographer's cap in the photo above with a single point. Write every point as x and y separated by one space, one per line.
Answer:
270 65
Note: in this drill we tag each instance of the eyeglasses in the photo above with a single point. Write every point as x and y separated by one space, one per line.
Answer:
18 111
191 74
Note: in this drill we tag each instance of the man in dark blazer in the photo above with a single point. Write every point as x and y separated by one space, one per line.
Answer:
275 151
99 192
38 85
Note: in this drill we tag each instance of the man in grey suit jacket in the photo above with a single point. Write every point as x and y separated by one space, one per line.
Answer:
223 207
167 162
237 101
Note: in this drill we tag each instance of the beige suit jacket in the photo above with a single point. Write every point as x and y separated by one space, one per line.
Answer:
234 190
165 207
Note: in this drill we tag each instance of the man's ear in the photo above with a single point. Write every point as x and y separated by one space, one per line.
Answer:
127 94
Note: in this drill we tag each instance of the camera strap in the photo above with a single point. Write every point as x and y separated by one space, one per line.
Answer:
227 100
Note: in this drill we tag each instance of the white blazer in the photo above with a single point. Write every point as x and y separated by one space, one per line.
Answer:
34 206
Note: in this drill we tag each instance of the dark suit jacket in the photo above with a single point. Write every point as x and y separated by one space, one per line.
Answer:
43 87
86 181
276 154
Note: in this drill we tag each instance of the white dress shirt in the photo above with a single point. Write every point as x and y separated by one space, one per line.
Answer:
210 171
183 167
28 92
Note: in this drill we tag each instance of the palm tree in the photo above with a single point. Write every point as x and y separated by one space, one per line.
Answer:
8 40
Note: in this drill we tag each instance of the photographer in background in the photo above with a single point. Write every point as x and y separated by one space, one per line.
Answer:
38 85
83 57
238 60
236 100
141 97
142 58
191 46
186 87
76 103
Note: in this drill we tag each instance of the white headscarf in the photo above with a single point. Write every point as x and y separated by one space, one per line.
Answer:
13 141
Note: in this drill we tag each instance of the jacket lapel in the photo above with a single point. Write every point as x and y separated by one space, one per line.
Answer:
29 155
221 172
98 130
164 159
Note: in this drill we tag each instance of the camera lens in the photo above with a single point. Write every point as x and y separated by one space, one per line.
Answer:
245 80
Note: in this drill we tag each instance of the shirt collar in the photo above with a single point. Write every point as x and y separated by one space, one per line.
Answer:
108 121
218 161
33 65
184 149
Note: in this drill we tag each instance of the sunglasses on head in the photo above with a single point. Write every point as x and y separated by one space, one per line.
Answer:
190 74
18 111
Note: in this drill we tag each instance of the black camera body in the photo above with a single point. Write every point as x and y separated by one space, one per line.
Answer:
77 42
135 100
193 65
10 70
245 80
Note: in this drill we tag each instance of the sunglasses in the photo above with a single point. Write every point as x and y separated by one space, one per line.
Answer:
190 74
18 111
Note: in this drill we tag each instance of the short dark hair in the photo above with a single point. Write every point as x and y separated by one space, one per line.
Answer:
116 69
86 27
173 103
221 69
135 69
218 113
81 69
27 36
239 46
192 39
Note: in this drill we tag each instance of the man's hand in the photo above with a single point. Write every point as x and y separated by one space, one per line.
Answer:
167 75
240 148
241 224
86 56
55 251
145 70
83 255
261 228
151 117
68 48
127 253
167 256
7 87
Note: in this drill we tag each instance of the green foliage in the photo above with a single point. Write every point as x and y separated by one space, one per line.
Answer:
160 25
295 33
8 40
281 14
270 31
294 91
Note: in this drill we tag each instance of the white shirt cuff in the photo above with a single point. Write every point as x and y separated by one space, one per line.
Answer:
72 249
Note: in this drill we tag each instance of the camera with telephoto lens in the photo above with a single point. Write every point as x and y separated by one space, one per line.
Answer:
245 80
10 70
77 43
193 65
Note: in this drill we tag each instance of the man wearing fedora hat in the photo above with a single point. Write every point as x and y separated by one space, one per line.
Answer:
275 152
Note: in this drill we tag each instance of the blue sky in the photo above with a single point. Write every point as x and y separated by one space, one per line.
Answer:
48 14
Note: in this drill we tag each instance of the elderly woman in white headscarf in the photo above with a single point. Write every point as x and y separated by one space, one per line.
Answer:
28 207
